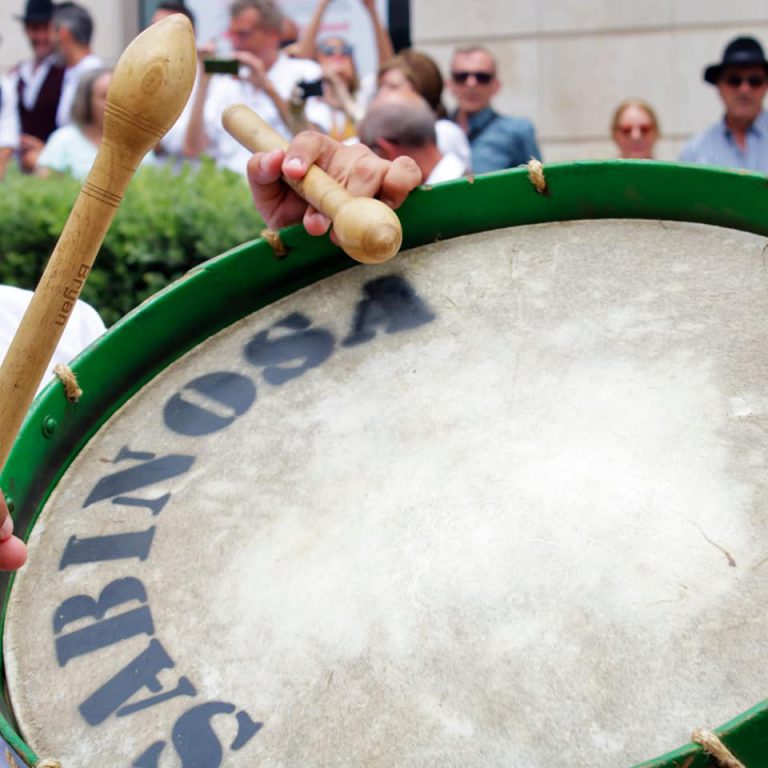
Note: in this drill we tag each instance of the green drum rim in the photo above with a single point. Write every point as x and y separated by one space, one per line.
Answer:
250 276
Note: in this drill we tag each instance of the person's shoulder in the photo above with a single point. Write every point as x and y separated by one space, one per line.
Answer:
91 61
13 297
451 138
88 319
448 128
696 148
515 123
761 121
65 134
61 144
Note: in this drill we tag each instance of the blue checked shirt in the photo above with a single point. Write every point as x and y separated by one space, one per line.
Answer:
716 146
498 141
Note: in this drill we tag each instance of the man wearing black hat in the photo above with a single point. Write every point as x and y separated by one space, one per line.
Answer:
740 139
31 92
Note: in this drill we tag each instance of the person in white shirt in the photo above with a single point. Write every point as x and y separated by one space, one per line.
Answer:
30 92
73 148
265 83
404 124
72 32
83 327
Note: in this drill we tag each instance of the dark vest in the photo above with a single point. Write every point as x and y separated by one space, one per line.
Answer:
40 121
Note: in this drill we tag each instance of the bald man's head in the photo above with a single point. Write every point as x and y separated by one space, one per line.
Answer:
404 119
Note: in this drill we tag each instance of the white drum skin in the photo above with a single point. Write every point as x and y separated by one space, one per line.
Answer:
524 528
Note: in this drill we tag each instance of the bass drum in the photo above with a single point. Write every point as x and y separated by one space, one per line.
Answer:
498 502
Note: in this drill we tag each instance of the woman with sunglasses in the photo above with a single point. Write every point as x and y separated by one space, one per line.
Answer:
635 129
342 95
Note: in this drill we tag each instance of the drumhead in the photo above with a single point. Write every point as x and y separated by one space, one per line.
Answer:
489 503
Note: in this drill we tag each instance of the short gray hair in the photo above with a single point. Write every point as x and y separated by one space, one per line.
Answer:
76 19
271 15
409 124
476 49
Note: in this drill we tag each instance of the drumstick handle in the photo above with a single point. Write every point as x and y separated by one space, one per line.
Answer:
317 187
149 88
54 299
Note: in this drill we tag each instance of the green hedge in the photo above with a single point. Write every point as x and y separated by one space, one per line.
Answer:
168 223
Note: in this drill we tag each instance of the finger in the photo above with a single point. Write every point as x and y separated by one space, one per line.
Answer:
265 168
366 175
267 188
13 554
6 528
306 148
315 223
276 202
402 176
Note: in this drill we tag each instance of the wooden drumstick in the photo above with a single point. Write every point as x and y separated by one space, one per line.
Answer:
150 85
367 229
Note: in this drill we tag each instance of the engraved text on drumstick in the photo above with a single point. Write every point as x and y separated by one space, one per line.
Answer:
71 294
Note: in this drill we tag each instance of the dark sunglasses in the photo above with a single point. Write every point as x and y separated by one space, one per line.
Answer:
344 49
482 77
754 81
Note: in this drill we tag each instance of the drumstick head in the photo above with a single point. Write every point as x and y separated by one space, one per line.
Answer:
368 230
151 84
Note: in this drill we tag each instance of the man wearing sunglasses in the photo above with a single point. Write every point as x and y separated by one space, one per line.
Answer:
497 141
740 139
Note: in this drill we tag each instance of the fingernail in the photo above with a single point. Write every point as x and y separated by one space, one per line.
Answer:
6 529
294 163
320 221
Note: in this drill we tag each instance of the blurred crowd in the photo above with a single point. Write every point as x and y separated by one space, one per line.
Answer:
52 107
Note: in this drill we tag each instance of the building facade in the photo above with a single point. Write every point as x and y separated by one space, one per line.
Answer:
563 63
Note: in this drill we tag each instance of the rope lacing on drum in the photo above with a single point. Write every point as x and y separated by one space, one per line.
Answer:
274 242
69 380
536 175
714 746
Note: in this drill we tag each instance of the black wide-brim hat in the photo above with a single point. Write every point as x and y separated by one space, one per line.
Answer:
37 12
741 52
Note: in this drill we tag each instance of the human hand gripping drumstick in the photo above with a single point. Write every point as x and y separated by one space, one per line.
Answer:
367 229
151 83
